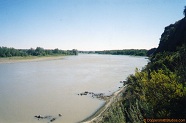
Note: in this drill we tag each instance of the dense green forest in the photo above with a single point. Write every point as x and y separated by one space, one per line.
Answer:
159 89
136 52
10 52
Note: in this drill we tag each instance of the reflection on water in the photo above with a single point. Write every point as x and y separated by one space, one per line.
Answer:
51 87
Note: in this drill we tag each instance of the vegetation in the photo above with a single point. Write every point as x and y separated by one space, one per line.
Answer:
135 52
9 52
151 51
159 90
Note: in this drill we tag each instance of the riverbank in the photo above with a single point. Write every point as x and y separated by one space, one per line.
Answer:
100 113
29 59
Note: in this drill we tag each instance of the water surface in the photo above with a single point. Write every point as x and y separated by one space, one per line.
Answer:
51 87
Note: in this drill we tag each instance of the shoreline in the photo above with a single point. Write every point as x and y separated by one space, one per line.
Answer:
95 117
98 114
29 59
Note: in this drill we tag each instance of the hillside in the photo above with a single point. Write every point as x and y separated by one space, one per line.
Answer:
159 90
173 36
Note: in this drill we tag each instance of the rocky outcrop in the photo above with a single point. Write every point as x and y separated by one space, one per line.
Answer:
48 118
173 36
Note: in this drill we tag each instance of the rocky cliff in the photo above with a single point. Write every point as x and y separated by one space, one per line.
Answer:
173 36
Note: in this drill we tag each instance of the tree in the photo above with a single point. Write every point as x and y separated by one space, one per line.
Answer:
56 51
39 51
75 52
184 12
31 51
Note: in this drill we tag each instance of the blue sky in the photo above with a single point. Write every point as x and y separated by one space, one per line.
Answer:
86 24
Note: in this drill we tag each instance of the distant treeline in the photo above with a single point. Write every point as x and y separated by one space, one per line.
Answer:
135 52
9 52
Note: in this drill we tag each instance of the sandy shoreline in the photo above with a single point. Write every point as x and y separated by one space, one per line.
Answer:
28 59
99 113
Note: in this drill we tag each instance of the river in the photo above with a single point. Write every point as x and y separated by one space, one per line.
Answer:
49 88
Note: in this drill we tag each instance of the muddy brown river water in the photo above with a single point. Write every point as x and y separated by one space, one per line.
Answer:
49 88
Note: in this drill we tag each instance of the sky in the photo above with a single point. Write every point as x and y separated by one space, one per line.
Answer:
86 24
